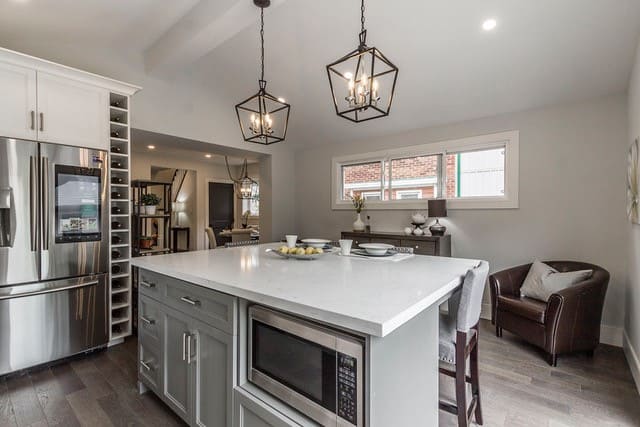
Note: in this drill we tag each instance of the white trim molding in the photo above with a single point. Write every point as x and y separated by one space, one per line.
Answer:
632 359
508 140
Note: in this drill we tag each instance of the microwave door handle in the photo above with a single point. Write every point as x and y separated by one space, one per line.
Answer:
45 203
33 202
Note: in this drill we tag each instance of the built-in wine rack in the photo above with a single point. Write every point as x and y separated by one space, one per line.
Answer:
120 309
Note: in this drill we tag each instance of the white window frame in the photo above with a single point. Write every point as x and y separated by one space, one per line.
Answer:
509 140
402 192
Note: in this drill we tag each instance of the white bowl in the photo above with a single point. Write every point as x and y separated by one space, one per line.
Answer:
316 243
376 248
418 218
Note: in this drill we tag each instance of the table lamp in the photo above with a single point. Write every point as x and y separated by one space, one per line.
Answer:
178 207
437 209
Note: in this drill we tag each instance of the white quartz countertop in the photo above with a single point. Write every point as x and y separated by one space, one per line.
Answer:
373 297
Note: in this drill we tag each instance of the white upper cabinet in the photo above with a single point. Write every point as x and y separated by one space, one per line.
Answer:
44 101
17 101
72 113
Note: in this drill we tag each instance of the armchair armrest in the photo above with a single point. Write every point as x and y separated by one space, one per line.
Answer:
506 282
574 314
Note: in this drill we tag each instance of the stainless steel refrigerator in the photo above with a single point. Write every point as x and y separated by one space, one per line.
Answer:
53 252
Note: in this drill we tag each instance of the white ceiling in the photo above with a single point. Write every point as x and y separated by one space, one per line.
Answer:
188 149
543 52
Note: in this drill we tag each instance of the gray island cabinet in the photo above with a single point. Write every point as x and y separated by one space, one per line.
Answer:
187 347
194 318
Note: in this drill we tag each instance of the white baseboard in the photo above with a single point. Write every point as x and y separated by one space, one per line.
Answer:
611 335
632 359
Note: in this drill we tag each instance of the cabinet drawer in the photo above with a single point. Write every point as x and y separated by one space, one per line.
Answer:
250 411
420 248
152 284
211 307
149 366
149 321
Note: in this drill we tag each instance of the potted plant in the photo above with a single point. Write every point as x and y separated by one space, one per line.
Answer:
150 201
146 242
358 203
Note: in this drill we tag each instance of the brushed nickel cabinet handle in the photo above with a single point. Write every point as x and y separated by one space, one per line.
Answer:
145 365
147 320
41 122
190 301
189 349
184 346
33 120
147 284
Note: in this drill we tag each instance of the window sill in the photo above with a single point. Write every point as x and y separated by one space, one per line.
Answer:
452 204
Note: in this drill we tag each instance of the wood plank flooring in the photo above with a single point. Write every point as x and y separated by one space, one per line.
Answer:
518 390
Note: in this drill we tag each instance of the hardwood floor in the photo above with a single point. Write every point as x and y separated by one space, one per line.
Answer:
518 390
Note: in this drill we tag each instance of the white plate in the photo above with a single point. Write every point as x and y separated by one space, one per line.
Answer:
376 248
302 257
316 243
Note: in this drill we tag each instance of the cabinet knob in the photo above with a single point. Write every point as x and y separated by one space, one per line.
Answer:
417 246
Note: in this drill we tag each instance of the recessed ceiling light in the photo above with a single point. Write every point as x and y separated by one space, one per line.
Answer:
489 24
151 147
208 156
281 99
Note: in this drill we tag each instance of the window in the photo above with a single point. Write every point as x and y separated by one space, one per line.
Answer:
252 205
472 173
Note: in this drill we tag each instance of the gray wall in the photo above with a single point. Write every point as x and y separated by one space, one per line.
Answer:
572 193
632 324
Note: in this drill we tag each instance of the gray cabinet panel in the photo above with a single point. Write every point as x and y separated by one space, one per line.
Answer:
249 411
213 376
177 379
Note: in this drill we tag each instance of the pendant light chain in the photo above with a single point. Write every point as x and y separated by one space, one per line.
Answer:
362 15
262 42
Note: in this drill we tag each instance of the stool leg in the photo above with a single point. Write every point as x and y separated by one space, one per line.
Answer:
498 331
461 379
475 383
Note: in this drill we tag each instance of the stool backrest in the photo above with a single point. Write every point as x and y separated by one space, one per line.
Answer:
466 303
212 238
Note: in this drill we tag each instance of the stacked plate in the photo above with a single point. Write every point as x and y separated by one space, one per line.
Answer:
376 249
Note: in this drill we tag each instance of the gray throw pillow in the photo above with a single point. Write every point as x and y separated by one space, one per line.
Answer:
544 280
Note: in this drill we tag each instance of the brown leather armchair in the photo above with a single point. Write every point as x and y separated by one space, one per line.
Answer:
568 322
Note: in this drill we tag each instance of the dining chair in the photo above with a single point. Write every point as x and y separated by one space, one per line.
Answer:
212 238
241 243
459 342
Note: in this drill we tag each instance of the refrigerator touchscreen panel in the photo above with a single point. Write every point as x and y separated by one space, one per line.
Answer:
77 204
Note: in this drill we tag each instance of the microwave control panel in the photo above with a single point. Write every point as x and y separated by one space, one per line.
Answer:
347 389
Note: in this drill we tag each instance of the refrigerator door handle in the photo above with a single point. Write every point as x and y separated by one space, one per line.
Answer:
33 202
46 287
45 203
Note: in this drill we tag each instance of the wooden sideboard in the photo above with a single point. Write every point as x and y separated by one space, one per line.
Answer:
422 245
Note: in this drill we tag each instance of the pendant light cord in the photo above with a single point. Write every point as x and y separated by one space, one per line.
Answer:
262 42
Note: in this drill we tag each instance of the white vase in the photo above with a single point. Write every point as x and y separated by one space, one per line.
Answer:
358 225
150 210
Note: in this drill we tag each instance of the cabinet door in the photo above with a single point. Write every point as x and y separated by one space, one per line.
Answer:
177 379
17 102
213 374
72 112
249 411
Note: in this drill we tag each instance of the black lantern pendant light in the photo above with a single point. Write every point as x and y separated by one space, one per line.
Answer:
363 81
245 187
263 118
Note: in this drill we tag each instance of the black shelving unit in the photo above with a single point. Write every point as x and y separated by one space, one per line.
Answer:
141 222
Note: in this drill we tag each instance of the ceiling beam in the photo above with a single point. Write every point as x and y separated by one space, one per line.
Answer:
205 27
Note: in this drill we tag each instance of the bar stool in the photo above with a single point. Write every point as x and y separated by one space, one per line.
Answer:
459 342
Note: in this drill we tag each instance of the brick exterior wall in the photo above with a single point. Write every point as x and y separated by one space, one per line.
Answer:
413 167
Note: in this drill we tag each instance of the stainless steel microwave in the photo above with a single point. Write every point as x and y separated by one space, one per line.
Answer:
314 369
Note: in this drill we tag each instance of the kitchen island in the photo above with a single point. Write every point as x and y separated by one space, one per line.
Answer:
392 306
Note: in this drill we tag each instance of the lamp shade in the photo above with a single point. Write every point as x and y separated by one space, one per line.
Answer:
179 207
437 208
